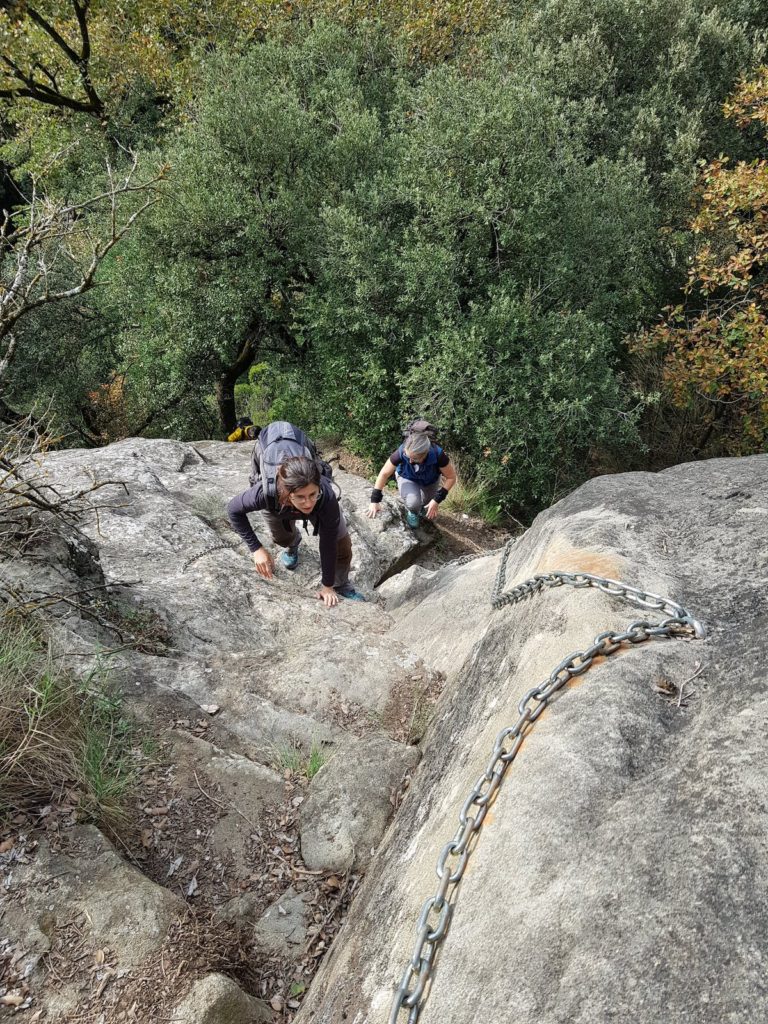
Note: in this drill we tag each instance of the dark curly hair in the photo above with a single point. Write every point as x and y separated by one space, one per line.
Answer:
294 474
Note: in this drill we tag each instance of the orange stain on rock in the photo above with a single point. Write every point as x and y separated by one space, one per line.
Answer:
575 681
562 555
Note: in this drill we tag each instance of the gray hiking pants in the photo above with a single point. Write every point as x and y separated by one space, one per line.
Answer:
285 533
414 495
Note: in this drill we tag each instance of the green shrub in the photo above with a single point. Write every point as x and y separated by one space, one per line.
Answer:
534 395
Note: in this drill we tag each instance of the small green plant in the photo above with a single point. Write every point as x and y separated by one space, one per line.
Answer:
59 734
149 747
491 510
294 759
314 762
109 761
464 497
473 498
423 710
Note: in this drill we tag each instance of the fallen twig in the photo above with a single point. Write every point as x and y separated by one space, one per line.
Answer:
699 670
223 806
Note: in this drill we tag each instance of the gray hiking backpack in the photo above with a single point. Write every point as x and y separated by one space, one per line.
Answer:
421 426
277 442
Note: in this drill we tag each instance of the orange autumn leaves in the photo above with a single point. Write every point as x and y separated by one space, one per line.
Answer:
715 348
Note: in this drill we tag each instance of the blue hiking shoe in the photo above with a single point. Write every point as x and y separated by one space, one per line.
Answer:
290 559
412 519
349 592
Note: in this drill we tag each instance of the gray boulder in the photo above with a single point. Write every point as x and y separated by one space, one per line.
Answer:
216 999
442 612
121 908
350 802
282 929
622 871
111 904
243 790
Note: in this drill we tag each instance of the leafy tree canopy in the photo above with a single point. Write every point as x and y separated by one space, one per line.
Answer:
374 209
218 273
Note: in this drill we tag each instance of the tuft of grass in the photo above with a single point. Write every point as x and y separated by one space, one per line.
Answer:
294 759
149 747
472 498
314 762
59 734
423 710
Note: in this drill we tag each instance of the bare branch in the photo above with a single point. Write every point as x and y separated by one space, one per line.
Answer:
10 352
51 235
34 88
29 503
50 31
48 74
39 91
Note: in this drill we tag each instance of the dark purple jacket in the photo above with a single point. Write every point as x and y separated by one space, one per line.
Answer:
325 518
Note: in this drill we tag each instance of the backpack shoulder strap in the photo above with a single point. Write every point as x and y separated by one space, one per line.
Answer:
255 474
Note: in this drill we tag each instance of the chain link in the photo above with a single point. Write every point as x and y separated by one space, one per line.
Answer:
452 861
465 559
474 555
207 551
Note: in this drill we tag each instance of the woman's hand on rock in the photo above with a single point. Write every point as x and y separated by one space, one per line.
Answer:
328 596
432 508
265 565
373 508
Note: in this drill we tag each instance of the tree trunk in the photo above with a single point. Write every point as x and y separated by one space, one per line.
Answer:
709 430
225 385
10 195
225 399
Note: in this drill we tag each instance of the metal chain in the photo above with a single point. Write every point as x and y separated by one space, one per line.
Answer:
435 916
208 551
501 572
464 559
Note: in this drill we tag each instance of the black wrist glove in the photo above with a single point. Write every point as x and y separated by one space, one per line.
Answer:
376 496
441 495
